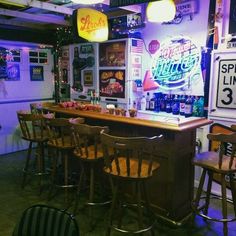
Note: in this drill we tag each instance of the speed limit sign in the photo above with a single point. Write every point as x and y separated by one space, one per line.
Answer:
226 90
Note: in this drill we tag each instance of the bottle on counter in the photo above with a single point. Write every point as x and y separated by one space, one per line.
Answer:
175 105
163 102
201 106
148 101
196 106
152 103
157 102
143 103
182 105
168 104
188 107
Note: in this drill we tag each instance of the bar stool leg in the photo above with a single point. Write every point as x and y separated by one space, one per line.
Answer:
26 164
147 204
81 178
66 174
199 190
91 189
40 165
139 202
208 193
224 204
113 204
54 171
233 191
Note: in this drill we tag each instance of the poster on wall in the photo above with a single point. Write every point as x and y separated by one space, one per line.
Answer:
112 54
88 77
112 83
3 63
13 72
36 73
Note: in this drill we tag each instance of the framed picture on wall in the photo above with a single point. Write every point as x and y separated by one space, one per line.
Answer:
88 77
13 72
36 73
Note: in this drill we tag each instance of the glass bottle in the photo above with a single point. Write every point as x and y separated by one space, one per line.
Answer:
188 111
182 105
175 105
148 101
168 104
152 103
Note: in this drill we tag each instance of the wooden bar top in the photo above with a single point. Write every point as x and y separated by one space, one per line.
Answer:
144 118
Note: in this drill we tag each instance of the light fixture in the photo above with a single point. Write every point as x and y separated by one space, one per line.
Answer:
12 3
87 2
161 11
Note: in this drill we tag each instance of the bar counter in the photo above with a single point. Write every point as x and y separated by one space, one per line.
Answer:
172 189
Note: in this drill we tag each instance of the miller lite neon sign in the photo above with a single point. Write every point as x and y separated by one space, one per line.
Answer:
176 63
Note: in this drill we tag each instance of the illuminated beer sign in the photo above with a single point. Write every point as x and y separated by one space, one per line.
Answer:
92 25
176 63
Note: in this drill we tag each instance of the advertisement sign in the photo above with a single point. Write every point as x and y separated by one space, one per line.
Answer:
112 54
13 72
112 83
3 63
92 25
88 77
36 73
176 66
226 88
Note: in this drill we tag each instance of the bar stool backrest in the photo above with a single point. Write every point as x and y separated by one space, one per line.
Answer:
60 133
87 140
133 157
233 127
224 140
32 126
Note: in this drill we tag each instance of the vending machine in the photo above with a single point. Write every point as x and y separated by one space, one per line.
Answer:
119 70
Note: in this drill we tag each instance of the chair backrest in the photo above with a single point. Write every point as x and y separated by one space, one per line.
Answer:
43 220
87 139
32 126
233 127
60 133
132 156
36 108
224 141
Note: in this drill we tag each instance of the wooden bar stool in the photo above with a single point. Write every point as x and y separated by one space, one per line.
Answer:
89 151
217 163
131 166
61 141
33 130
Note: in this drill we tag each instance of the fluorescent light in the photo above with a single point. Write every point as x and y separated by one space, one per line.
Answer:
12 3
161 11
87 2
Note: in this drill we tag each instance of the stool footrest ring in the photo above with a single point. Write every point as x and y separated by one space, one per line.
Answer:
198 210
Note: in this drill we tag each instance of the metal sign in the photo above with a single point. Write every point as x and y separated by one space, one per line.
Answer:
226 89
121 3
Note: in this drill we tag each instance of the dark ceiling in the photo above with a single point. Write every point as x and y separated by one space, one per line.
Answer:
37 21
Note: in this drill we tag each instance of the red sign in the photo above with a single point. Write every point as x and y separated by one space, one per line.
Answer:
153 46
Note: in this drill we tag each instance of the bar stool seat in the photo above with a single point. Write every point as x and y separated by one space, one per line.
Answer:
89 152
34 131
129 168
224 165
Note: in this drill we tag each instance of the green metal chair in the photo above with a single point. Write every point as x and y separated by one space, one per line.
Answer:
42 220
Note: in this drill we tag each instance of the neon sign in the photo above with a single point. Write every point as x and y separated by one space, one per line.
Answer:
176 63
